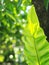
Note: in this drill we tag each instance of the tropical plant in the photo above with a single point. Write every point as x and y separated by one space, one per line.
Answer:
12 20
36 47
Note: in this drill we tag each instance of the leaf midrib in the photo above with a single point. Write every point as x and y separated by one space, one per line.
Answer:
36 52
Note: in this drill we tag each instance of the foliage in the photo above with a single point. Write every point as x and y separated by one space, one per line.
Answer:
36 47
46 2
12 21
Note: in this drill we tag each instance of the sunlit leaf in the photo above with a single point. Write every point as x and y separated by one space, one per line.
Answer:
36 47
1 58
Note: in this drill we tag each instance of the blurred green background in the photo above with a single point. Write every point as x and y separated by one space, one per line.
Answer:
13 15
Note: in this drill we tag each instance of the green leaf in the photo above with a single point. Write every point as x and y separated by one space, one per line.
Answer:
1 58
11 16
46 2
36 47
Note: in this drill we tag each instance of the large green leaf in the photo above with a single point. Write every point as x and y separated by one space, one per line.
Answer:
36 47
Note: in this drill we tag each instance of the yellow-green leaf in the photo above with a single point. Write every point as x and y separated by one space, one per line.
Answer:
36 47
